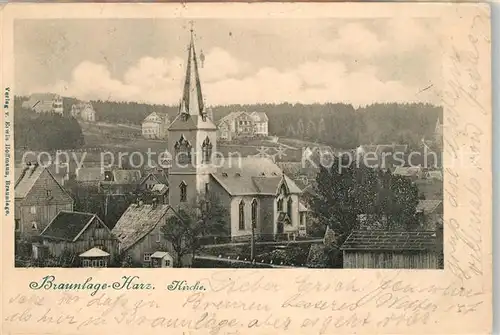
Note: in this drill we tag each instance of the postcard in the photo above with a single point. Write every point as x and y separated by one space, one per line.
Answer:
266 168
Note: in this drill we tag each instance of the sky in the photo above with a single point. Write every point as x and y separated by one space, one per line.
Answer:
247 61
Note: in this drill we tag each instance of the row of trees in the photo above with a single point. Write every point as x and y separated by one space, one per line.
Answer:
336 124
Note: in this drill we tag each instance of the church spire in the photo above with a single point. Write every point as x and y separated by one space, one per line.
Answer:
192 98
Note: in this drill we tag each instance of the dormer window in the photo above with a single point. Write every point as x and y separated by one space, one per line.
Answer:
49 193
224 174
262 174
237 174
183 151
206 149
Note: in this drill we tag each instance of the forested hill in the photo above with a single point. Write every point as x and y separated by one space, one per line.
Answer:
338 125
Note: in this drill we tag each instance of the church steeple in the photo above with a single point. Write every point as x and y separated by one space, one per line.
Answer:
192 97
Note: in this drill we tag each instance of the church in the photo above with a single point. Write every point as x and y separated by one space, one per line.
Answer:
255 190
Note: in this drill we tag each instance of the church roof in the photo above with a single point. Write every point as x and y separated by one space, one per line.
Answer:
252 176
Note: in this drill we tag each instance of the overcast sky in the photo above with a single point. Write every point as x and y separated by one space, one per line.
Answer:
246 61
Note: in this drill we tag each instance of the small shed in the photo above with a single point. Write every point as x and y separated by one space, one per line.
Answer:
94 258
162 259
379 249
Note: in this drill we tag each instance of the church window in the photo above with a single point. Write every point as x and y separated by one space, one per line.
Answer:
289 208
183 151
241 216
254 213
206 150
183 188
280 205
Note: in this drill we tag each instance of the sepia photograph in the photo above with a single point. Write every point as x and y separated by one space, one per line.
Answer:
228 143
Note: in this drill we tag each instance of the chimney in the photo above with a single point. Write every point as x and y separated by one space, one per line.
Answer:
155 203
33 167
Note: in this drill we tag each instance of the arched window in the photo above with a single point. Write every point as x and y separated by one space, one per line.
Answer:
280 205
254 213
241 215
183 151
289 208
206 149
183 187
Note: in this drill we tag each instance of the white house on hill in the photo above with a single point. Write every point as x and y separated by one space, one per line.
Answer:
155 126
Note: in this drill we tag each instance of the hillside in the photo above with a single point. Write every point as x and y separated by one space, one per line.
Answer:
338 125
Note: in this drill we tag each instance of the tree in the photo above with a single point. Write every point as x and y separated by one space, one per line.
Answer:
343 192
206 217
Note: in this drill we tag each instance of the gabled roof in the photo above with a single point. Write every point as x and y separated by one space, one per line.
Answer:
435 175
94 252
156 117
430 206
407 171
161 254
252 175
68 226
381 240
160 189
137 222
259 116
26 178
231 116
161 178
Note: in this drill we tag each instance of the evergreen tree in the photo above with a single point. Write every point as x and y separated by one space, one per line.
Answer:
344 192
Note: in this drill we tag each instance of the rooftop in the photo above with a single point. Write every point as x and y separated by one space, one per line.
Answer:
381 240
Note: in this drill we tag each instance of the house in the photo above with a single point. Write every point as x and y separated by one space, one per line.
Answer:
430 213
237 124
434 175
44 103
380 249
383 156
120 181
89 175
151 179
84 111
261 122
414 172
162 259
140 235
38 199
155 125
224 131
95 258
73 233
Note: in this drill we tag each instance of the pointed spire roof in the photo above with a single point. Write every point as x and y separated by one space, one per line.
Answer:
192 98
192 111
